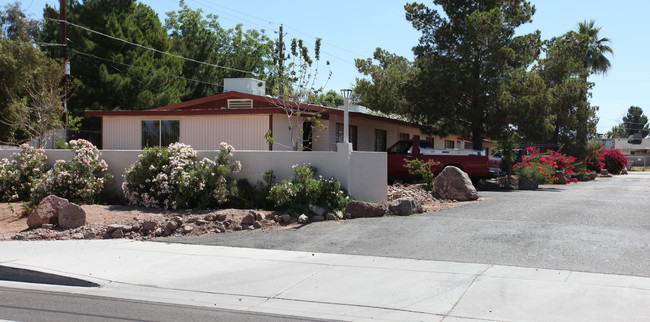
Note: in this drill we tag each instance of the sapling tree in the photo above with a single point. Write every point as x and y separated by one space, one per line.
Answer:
297 93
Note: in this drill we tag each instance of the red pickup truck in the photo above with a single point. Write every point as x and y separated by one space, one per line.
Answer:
474 162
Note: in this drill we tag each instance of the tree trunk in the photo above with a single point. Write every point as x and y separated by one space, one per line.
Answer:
477 138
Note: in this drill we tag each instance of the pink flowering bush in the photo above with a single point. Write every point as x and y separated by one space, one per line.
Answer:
171 177
304 190
594 162
541 167
613 160
16 175
79 180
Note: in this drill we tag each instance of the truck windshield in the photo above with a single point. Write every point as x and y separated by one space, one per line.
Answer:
403 147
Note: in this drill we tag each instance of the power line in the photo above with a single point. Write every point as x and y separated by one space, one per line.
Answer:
141 68
152 49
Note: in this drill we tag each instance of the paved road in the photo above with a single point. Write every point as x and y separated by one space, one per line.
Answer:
601 226
35 305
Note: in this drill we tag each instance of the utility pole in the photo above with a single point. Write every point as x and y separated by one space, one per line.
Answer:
63 53
281 62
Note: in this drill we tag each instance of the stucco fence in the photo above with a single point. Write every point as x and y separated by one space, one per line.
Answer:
363 174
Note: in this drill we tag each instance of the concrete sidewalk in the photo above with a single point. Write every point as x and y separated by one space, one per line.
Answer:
330 286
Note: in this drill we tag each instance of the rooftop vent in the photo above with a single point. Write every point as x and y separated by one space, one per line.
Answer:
240 103
354 108
245 85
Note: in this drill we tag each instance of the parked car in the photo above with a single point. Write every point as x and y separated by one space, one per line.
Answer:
475 163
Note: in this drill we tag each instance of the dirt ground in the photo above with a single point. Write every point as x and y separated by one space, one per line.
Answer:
98 217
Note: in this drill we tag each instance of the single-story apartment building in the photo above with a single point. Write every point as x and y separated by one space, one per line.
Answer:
242 116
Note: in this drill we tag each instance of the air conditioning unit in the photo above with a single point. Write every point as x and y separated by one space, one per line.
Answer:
245 85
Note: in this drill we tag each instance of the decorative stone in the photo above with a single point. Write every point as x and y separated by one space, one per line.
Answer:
527 184
47 226
362 209
78 236
172 225
90 235
592 175
316 210
259 216
286 218
303 219
257 225
405 206
330 216
188 229
201 222
318 218
453 183
560 177
149 225
72 216
117 233
20 237
249 219
210 217
222 217
47 212
338 214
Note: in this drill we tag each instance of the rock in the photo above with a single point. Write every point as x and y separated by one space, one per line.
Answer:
330 216
149 225
286 218
172 225
592 175
167 231
604 173
338 214
90 235
222 217
405 206
361 209
117 233
560 177
72 216
303 219
47 226
210 217
158 232
453 183
201 222
78 236
316 210
257 225
249 227
112 227
188 229
527 184
178 220
47 212
20 237
249 219
318 218
259 216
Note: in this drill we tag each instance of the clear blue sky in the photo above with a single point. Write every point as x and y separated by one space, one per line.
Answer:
354 28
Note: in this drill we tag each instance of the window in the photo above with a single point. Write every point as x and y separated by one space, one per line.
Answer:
380 140
401 148
429 139
449 144
160 133
416 137
352 134
403 136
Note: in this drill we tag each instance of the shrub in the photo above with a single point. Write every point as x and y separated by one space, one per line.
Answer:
614 161
593 162
304 190
79 180
541 166
422 169
245 195
171 178
16 175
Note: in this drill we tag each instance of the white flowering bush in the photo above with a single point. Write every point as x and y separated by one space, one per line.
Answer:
16 175
79 180
170 177
304 190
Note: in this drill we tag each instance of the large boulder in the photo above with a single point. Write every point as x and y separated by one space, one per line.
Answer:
72 216
47 212
361 209
453 183
560 177
405 206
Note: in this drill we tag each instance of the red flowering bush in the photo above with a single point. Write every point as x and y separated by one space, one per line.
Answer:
593 161
614 161
541 166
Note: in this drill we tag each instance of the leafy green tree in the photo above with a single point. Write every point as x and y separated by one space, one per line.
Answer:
113 74
203 39
634 122
617 131
384 91
462 57
331 99
30 103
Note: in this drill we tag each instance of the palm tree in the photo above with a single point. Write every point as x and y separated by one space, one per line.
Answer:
595 60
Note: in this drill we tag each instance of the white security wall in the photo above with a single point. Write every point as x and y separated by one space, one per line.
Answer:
362 173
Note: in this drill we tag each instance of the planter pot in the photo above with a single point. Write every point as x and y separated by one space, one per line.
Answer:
528 184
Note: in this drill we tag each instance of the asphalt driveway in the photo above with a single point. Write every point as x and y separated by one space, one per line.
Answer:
600 226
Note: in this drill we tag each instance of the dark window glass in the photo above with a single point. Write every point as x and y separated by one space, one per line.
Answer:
169 132
150 132
403 136
380 140
401 148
